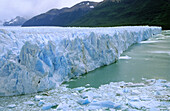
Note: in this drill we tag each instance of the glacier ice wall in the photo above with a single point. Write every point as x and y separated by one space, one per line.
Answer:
37 59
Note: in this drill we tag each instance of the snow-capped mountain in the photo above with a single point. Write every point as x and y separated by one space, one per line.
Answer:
62 17
18 21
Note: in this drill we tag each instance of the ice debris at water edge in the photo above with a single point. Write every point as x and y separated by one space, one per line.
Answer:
39 59
149 95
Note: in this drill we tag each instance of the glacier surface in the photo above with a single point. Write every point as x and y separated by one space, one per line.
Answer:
35 59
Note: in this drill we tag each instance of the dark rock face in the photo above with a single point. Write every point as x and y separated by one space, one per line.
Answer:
128 12
62 17
18 21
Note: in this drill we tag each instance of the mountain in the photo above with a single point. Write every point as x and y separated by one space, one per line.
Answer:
112 0
18 21
128 12
62 17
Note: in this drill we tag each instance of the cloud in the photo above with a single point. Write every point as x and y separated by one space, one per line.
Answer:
28 8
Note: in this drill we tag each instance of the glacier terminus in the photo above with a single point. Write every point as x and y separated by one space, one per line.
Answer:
35 59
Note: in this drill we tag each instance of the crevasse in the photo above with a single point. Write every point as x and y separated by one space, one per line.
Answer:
36 59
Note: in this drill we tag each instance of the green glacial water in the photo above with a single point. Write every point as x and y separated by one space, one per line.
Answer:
149 59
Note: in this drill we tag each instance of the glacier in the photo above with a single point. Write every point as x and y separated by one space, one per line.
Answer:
35 59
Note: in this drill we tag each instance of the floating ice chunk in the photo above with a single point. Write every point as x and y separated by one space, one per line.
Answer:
90 95
157 93
75 94
136 105
119 93
85 95
48 106
150 81
63 106
41 102
79 88
125 90
135 92
87 85
167 85
84 101
147 42
145 98
96 95
38 98
144 79
144 104
125 57
29 103
11 106
161 81
117 106
135 85
105 104
133 98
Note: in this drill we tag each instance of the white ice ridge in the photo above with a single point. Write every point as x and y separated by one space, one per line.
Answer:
36 59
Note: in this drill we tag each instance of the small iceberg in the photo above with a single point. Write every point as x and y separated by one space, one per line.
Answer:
30 103
104 104
11 106
48 106
125 57
83 101
147 42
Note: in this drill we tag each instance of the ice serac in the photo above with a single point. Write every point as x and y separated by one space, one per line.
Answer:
38 59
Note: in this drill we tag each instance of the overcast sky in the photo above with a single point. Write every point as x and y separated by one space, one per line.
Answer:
27 8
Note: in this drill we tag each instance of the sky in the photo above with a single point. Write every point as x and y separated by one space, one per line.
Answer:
28 8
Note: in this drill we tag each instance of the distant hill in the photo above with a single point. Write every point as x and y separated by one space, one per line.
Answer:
62 17
128 12
18 21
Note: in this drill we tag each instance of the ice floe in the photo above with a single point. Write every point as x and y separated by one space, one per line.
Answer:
149 95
